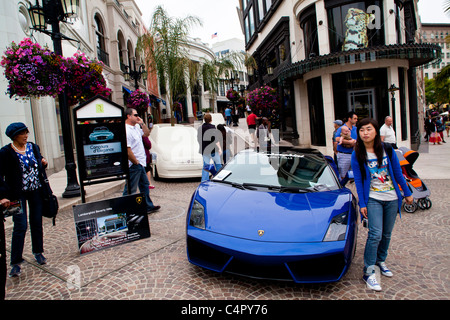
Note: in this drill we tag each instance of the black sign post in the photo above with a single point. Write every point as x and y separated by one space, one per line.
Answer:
101 142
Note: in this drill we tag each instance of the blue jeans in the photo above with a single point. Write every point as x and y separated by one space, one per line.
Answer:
228 120
206 161
34 199
381 216
138 178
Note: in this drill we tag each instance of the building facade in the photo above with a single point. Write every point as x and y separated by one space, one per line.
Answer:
330 57
436 33
240 83
105 29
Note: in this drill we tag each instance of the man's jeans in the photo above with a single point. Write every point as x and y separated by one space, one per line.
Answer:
344 163
206 161
34 199
138 178
381 216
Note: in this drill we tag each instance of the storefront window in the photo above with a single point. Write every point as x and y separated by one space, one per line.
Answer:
354 25
251 21
261 9
362 91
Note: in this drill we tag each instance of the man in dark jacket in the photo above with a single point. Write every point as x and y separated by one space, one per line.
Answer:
208 141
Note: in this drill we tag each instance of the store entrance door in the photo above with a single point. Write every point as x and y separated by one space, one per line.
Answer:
362 102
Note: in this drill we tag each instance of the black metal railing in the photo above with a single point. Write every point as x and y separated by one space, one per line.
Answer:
103 56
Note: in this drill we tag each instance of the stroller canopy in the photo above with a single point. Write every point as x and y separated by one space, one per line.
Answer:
407 158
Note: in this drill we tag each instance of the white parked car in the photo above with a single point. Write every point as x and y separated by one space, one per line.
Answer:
176 150
217 118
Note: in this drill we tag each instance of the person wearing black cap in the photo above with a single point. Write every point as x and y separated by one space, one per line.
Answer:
21 166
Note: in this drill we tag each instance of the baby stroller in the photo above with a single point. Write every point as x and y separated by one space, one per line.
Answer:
419 190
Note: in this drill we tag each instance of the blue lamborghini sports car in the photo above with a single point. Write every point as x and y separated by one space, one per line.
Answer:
277 216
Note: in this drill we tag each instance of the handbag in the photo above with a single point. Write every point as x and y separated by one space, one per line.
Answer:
50 204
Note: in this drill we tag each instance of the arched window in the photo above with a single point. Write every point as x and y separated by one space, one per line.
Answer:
100 35
121 50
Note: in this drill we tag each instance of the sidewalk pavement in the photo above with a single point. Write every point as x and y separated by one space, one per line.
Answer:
433 163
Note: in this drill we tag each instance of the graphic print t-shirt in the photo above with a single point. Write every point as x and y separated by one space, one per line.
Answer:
381 185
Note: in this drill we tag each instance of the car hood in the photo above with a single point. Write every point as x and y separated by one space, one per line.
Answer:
270 216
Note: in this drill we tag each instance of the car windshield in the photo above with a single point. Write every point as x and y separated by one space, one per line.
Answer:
279 172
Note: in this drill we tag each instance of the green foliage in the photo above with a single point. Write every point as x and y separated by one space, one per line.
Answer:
165 45
437 90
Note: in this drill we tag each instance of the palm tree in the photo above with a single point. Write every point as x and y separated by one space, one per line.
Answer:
166 52
213 70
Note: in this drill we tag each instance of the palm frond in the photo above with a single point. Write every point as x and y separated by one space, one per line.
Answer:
165 45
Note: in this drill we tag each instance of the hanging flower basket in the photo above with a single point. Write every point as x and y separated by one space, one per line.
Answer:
138 100
84 79
233 95
32 71
264 98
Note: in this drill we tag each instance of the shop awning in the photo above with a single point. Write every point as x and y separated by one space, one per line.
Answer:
416 53
126 89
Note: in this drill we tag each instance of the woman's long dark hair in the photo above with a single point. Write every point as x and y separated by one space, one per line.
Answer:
360 148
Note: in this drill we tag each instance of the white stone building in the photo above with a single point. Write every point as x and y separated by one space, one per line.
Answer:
333 56
105 29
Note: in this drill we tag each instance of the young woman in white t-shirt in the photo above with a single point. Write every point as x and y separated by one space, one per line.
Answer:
377 174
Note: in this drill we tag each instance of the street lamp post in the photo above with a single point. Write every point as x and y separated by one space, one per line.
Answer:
53 12
135 74
392 90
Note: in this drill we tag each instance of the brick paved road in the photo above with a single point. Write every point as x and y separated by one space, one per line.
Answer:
157 267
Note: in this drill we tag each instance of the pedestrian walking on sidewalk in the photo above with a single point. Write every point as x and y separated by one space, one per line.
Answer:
137 161
208 138
225 142
228 115
21 166
440 127
434 136
346 148
428 127
251 123
377 174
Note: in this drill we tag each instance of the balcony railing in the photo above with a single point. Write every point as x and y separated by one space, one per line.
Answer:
103 56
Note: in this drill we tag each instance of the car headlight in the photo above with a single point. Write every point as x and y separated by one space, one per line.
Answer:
337 228
197 218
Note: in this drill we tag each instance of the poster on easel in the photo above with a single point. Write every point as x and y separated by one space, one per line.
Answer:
107 223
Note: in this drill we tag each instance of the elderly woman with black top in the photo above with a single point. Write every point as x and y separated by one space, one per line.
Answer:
21 165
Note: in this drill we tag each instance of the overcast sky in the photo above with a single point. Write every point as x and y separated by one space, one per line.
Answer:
221 16
431 11
216 15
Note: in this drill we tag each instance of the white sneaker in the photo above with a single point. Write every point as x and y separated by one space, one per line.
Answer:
384 269
372 282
